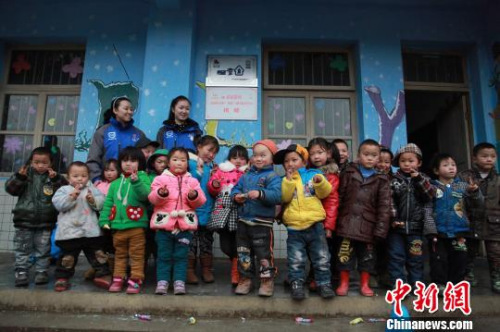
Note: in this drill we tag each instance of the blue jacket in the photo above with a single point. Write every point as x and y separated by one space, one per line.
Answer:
269 184
449 209
205 211
107 143
172 135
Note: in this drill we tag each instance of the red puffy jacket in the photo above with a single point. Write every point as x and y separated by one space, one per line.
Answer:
331 203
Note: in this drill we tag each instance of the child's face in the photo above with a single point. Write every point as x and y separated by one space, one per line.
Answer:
369 155
409 162
318 155
207 152
262 156
485 159
78 176
384 162
238 161
160 164
181 111
447 169
148 151
343 151
293 161
130 166
40 163
124 111
178 163
111 173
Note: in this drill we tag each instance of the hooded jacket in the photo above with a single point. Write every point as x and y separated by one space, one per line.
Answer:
176 210
203 212
331 202
172 135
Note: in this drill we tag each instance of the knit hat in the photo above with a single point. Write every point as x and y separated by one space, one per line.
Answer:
144 141
268 144
410 147
279 157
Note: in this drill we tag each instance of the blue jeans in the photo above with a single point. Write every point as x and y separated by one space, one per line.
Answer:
310 241
405 251
172 255
32 242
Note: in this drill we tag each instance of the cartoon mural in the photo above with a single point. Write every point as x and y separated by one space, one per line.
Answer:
495 83
388 121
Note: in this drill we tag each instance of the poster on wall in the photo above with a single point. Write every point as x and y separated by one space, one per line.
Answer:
224 103
232 71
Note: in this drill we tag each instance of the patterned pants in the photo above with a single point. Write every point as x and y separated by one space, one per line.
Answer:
202 242
32 242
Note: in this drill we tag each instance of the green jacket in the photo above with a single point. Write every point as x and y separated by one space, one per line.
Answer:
126 203
34 207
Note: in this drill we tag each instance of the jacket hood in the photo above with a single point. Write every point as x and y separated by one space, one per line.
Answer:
331 168
227 166
119 126
189 124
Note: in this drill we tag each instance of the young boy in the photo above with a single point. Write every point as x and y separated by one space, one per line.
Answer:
34 215
147 146
411 190
302 191
363 217
485 221
344 153
257 193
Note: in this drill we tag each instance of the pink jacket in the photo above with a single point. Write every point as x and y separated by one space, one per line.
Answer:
228 175
176 211
103 186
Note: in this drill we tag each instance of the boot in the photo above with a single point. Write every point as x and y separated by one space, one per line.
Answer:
244 286
206 268
266 288
343 288
191 277
235 276
364 287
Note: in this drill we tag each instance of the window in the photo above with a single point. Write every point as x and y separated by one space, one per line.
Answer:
40 105
434 68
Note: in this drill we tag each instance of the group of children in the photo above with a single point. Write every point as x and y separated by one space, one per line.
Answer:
339 216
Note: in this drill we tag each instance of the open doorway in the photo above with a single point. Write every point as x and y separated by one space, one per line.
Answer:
438 122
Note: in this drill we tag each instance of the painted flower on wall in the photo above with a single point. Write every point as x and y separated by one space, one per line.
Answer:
74 68
284 144
12 145
21 64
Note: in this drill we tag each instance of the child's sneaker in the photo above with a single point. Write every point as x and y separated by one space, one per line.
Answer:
117 285
41 278
161 287
61 285
103 282
134 286
297 288
179 287
21 279
326 291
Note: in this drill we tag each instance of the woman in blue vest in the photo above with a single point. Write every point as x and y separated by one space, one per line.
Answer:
179 130
117 133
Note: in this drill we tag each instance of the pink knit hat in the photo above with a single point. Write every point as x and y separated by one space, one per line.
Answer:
268 144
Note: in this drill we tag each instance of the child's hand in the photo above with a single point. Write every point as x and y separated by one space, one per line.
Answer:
317 178
473 186
328 233
52 173
414 173
90 198
253 194
133 176
289 174
192 194
106 227
163 191
216 183
23 170
76 192
240 198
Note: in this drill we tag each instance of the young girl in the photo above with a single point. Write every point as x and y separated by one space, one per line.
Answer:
175 195
78 228
326 158
110 173
447 223
343 151
201 166
124 212
225 215
385 160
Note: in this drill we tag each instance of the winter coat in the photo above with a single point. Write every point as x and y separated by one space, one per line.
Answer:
77 218
365 209
176 210
302 198
103 186
34 208
485 219
107 143
172 135
259 211
126 203
331 202
225 211
446 214
409 197
203 212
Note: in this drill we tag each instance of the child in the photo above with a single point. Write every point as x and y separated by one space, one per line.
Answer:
34 215
201 167
78 229
326 157
175 195
485 221
411 190
447 223
147 146
225 215
385 161
110 173
124 212
344 153
257 193
363 216
301 191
